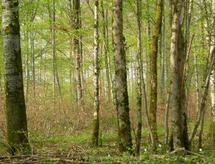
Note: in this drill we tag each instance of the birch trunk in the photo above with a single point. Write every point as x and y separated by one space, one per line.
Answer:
95 137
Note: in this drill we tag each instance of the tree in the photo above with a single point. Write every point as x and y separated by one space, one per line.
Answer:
122 104
17 133
95 137
139 78
77 49
153 73
179 138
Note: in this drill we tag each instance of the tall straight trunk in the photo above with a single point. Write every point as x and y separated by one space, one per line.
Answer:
95 136
27 67
56 81
106 49
153 73
77 49
196 81
33 63
17 134
122 102
212 48
163 54
71 77
53 33
178 56
212 124
139 78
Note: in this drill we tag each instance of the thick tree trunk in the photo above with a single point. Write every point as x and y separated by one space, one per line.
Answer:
178 56
17 134
153 73
122 102
95 137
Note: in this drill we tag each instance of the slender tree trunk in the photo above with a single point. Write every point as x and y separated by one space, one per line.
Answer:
95 137
196 81
27 68
153 73
139 78
201 111
122 102
163 55
53 35
106 49
77 49
33 63
212 48
15 102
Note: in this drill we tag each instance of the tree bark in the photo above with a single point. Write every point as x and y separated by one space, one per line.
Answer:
95 136
17 134
212 48
106 50
139 78
77 49
153 73
122 102
178 58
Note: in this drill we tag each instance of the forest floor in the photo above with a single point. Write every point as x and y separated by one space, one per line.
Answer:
63 136
76 149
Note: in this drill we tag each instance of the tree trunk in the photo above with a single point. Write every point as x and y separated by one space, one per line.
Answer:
139 78
122 102
15 102
33 63
178 58
106 49
95 137
201 111
153 73
77 49
163 56
27 67
212 48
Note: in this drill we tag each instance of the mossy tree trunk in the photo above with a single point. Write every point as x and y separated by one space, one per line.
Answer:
122 103
153 73
15 102
178 55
